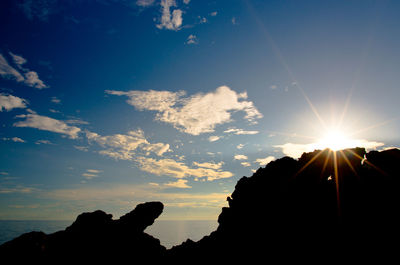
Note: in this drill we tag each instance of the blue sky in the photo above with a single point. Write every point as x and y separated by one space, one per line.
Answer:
106 104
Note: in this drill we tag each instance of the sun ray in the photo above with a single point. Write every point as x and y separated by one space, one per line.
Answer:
283 62
309 162
346 159
336 174
325 162
373 126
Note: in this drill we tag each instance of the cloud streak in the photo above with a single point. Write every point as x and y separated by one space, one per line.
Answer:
44 123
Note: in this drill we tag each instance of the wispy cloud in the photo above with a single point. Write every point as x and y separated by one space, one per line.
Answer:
192 39
9 102
213 138
171 21
240 157
211 165
91 173
43 142
45 123
18 60
240 131
144 3
16 189
14 139
189 114
180 183
81 148
172 168
246 164
7 71
28 77
125 146
264 161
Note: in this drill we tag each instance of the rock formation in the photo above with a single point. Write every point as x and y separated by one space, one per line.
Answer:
93 237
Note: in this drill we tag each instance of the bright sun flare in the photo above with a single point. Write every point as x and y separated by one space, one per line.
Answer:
335 140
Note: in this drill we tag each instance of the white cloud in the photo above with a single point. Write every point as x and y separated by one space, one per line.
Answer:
264 161
91 173
213 138
96 171
194 115
180 183
172 168
202 20
144 3
209 165
246 164
43 142
171 21
192 39
240 131
240 157
124 146
76 121
8 71
296 150
18 60
34 120
14 139
9 102
30 78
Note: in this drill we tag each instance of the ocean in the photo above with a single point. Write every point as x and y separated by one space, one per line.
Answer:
170 233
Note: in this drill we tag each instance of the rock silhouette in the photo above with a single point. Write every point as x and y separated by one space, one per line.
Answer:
326 206
93 237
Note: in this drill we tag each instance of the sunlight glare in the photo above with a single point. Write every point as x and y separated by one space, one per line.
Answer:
336 140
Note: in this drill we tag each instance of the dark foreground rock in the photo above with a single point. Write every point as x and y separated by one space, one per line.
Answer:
92 238
324 207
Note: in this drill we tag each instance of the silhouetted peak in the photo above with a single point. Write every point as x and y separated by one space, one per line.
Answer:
90 221
143 215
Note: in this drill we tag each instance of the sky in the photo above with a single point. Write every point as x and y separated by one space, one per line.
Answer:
106 104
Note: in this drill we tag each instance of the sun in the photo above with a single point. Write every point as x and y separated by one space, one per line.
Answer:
335 140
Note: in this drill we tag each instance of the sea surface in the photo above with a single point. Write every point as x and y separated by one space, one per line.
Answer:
170 233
